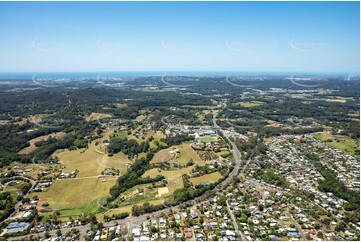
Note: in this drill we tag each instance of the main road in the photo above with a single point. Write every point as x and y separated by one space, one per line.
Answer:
233 173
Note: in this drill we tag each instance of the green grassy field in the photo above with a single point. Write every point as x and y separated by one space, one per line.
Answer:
174 176
119 134
250 104
93 160
75 196
354 117
79 195
186 154
128 208
210 178
342 143
207 139
44 116
97 116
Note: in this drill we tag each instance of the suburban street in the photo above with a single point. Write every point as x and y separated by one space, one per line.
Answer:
17 205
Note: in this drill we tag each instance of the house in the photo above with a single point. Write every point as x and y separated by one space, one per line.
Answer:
188 235
15 227
194 214
293 234
136 232
144 238
118 230
230 233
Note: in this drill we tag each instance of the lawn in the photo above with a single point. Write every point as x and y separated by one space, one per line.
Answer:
207 139
200 116
96 116
342 143
210 178
224 153
174 177
140 117
162 156
119 134
44 116
157 137
323 136
354 117
75 196
250 104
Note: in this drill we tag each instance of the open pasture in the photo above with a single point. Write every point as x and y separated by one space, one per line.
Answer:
75 196
250 104
93 160
97 116
208 178
32 147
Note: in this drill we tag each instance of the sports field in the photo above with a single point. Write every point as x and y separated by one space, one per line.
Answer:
207 139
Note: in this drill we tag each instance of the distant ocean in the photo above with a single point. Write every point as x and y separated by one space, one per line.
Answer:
29 75
108 74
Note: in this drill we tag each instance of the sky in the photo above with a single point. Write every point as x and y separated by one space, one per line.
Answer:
179 36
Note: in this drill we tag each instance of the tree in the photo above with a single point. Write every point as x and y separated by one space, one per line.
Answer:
136 210
46 234
222 200
153 229
190 162
341 226
92 218
100 226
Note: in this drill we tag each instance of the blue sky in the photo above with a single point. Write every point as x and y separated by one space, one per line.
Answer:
179 36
